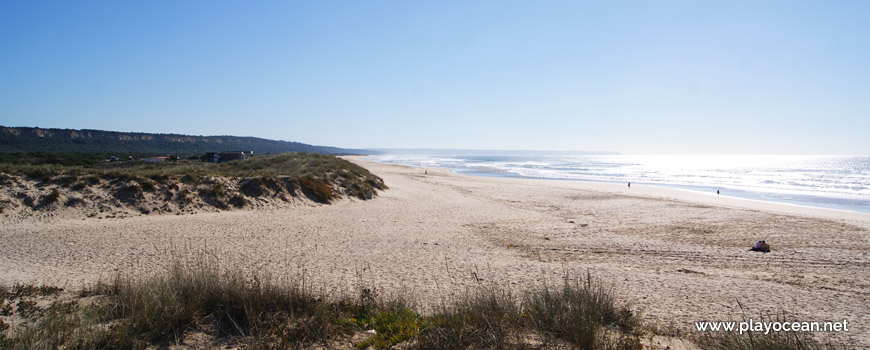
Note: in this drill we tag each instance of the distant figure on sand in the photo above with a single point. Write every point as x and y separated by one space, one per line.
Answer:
761 246
629 185
717 192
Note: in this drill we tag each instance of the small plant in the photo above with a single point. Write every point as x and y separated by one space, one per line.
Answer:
214 195
29 290
62 307
40 173
3 327
52 197
218 189
189 179
252 187
238 201
27 307
5 308
131 188
319 189
147 185
92 180
578 312
159 178
78 186
74 201
65 180
391 327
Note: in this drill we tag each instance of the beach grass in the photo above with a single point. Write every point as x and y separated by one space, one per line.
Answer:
261 313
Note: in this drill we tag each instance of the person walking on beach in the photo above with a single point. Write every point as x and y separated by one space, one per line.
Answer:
629 185
717 192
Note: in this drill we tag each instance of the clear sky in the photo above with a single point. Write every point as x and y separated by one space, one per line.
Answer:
637 77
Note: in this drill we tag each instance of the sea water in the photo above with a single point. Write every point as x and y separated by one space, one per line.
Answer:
836 182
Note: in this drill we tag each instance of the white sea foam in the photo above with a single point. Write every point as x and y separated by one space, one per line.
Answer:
840 182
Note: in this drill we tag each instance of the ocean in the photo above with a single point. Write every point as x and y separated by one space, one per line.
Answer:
835 182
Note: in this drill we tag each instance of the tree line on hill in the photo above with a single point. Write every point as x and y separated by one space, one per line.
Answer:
28 140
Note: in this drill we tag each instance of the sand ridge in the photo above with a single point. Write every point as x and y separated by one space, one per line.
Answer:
677 257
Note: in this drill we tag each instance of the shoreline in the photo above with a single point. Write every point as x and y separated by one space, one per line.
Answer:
841 201
674 192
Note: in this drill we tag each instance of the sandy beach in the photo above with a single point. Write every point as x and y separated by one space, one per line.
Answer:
676 256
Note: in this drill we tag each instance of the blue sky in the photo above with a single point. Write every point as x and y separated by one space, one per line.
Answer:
637 77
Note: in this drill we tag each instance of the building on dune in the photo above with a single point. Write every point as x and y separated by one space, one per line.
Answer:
220 157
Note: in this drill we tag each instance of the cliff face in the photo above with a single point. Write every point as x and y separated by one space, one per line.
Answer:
24 139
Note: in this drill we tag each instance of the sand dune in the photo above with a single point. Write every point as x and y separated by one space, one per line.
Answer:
678 256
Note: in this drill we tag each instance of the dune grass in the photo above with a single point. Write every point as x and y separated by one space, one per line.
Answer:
162 309
259 312
320 177
285 164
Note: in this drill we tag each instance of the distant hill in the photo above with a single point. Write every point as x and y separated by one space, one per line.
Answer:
25 139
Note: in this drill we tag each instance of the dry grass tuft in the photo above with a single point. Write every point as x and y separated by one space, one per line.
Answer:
256 312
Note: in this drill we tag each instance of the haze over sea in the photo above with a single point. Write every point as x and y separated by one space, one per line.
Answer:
835 182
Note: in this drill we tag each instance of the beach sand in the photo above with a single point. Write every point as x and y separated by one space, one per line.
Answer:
676 256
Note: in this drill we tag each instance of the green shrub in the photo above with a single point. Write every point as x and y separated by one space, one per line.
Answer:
318 189
391 327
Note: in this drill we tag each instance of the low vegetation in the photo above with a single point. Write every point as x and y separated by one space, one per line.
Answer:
255 312
258 313
61 158
176 186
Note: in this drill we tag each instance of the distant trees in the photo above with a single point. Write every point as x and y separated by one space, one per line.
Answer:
21 139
